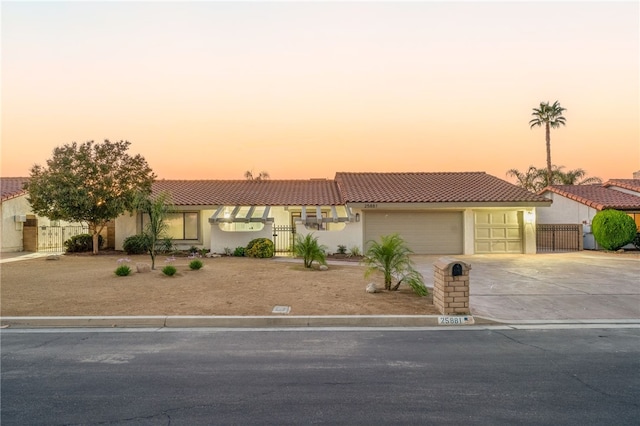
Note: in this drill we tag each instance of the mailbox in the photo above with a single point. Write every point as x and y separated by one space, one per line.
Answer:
456 270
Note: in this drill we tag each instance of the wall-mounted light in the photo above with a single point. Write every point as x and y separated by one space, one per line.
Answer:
357 217
528 217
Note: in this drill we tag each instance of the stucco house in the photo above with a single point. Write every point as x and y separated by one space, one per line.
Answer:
578 204
22 229
436 213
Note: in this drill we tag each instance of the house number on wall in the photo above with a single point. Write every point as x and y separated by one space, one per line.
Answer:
370 206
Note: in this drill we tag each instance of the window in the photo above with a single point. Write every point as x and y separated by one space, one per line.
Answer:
180 226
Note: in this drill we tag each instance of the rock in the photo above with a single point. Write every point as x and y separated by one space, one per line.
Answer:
323 268
143 267
372 288
212 255
53 257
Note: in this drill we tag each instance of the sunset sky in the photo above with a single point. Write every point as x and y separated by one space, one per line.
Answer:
208 90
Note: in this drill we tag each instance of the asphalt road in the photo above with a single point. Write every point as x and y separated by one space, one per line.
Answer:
207 376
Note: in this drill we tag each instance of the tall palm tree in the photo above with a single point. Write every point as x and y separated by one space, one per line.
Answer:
551 117
575 177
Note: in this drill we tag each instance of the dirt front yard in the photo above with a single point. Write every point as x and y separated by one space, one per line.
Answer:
87 285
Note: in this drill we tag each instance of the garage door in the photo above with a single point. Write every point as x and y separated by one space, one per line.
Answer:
498 232
424 232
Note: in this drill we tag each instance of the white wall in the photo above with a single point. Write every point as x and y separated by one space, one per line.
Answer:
349 237
126 225
220 239
11 230
564 210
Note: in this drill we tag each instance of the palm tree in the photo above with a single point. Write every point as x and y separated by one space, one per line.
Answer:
551 117
309 250
575 177
391 257
535 179
157 210
263 175
531 180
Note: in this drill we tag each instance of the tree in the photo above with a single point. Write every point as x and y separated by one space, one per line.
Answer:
535 179
157 209
309 250
263 175
551 117
391 257
90 182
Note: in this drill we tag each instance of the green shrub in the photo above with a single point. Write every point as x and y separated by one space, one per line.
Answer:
203 252
195 264
123 270
354 251
342 249
260 247
613 229
169 270
165 245
239 252
136 244
82 243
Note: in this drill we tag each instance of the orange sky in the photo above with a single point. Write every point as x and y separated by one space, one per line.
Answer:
208 90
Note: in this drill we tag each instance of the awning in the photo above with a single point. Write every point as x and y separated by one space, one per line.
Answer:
246 214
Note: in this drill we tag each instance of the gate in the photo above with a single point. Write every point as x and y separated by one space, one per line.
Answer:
52 238
552 238
284 238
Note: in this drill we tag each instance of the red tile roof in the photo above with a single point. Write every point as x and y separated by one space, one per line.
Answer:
464 187
597 196
251 193
11 187
630 184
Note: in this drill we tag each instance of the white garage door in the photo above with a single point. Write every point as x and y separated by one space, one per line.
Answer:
498 232
424 232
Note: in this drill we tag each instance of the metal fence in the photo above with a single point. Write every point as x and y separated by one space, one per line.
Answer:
284 238
552 238
52 238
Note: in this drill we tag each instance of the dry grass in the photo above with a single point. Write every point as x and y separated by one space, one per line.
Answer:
87 285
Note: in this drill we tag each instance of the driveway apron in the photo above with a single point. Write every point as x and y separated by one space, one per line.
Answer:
560 286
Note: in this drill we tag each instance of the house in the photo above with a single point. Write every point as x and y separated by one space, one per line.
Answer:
578 204
436 213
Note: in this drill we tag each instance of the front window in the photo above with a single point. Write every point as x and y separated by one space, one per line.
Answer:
180 226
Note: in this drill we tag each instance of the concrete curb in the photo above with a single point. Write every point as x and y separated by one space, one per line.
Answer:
229 321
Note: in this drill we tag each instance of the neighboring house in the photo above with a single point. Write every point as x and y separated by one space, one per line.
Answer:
22 230
578 204
15 208
436 213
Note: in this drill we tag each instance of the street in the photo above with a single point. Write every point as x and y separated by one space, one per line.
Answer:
479 376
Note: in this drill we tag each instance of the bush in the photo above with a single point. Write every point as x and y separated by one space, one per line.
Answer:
354 251
239 252
123 270
82 243
136 244
342 249
165 245
169 270
260 247
613 229
195 264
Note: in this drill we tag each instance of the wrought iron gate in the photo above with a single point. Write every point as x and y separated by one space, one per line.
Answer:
558 238
52 238
284 238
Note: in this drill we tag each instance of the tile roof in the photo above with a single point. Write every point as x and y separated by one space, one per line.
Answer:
11 187
630 184
597 196
251 193
460 187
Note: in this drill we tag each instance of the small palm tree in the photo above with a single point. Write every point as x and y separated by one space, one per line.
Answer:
263 175
157 209
529 180
551 117
391 257
309 250
575 177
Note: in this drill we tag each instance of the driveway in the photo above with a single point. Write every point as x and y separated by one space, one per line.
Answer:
558 286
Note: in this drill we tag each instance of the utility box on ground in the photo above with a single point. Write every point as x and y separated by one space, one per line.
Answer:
451 286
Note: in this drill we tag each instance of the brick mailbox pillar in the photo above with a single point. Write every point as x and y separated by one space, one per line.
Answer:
451 286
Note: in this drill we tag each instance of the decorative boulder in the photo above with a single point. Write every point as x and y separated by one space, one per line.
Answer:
323 268
53 257
372 288
143 267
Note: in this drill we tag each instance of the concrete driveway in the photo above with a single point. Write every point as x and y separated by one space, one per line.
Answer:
583 285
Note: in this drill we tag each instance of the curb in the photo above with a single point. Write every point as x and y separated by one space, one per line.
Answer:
230 321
